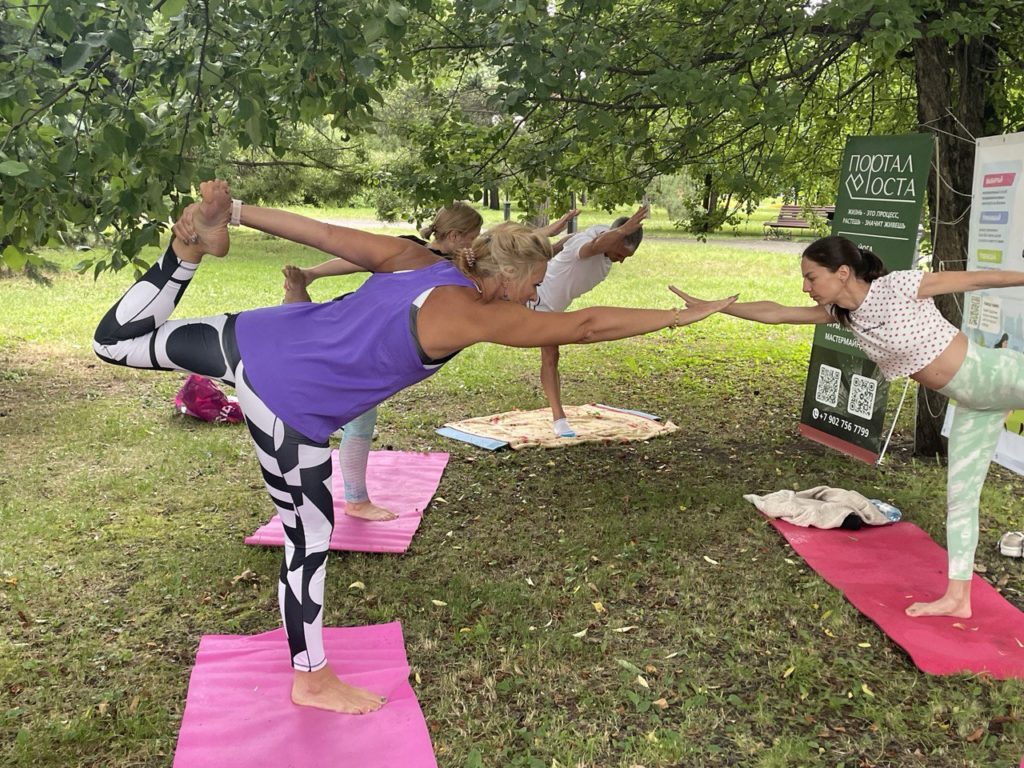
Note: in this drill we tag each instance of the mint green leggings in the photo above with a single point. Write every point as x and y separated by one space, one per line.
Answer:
988 385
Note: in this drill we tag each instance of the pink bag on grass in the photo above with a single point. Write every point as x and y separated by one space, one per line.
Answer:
201 398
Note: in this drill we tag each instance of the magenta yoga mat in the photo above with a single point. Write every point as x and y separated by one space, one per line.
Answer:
402 481
883 569
238 713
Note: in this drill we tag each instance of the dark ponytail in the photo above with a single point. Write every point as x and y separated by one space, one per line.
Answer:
833 252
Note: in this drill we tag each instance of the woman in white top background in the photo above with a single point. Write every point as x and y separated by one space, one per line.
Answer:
897 325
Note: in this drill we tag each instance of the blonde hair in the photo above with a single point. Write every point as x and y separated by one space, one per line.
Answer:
510 251
458 217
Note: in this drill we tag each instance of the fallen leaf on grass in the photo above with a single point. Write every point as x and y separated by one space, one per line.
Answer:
867 691
788 672
439 603
599 607
643 681
713 562
628 628
357 585
441 499
976 734
628 666
661 704
863 645
243 576
581 633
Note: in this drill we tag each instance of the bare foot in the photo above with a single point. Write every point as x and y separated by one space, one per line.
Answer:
956 602
211 217
322 689
295 282
367 510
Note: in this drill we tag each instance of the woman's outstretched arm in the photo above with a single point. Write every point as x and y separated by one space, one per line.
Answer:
332 268
764 311
939 283
375 253
456 322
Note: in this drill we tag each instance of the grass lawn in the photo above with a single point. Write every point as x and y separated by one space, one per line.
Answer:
123 527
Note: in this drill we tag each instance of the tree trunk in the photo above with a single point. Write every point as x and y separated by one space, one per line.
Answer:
710 201
952 98
494 203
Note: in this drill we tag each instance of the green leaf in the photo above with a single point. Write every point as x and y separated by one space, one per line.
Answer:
13 168
246 108
14 258
75 57
113 138
373 29
397 14
119 42
172 8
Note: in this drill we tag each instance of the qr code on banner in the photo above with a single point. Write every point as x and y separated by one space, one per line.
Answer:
862 396
828 385
973 311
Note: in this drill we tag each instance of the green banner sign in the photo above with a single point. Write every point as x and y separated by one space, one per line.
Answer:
881 192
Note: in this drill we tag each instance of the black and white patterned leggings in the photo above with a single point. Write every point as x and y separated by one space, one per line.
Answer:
136 333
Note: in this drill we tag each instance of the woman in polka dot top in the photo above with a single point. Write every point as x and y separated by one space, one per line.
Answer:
897 325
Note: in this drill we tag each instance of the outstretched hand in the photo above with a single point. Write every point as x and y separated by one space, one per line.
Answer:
633 223
691 302
558 226
698 309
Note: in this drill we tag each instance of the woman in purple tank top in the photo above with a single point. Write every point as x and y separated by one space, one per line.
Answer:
302 370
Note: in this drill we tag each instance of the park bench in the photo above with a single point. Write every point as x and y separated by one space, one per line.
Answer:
793 217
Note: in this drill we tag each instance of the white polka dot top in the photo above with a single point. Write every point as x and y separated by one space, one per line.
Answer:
898 331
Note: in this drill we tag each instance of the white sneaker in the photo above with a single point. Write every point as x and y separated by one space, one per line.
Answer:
1012 544
562 428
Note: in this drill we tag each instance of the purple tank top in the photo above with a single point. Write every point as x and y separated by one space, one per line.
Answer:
318 366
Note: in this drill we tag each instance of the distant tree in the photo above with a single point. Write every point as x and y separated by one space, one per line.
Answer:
109 112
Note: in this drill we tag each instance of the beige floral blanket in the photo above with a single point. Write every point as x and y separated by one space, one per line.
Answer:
593 423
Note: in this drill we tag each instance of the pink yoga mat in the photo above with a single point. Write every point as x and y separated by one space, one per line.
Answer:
238 713
882 570
401 481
